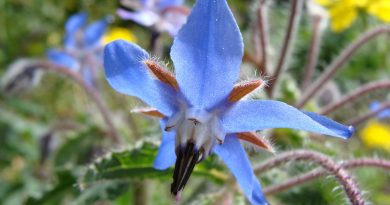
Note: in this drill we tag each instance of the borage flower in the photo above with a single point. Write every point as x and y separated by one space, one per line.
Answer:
162 15
82 47
200 107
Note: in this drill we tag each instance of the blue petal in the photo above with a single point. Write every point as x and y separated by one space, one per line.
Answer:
146 2
383 114
263 114
162 4
72 25
207 53
64 59
127 74
232 153
166 156
339 129
94 32
75 22
142 17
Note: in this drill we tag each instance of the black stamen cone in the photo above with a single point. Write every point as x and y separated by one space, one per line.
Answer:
186 159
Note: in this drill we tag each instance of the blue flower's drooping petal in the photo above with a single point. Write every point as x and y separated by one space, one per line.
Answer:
162 4
232 153
94 32
383 114
75 22
166 156
143 17
263 114
64 59
207 53
127 74
88 76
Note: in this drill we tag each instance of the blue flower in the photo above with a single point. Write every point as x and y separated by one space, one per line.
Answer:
82 50
383 114
162 15
201 107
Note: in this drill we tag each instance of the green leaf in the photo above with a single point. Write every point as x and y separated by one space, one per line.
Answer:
65 184
102 191
79 149
137 163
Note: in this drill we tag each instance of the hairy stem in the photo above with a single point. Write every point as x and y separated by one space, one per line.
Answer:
349 185
251 59
295 13
337 63
355 94
369 115
89 90
356 163
314 50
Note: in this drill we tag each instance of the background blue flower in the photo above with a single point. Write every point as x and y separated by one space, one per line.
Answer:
163 16
82 50
383 114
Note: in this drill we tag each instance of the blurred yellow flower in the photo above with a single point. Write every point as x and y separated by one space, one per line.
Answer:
119 33
344 12
380 9
376 135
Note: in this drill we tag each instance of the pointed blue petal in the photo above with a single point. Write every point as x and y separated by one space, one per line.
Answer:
63 58
207 53
166 156
263 114
127 74
336 127
232 153
75 22
94 32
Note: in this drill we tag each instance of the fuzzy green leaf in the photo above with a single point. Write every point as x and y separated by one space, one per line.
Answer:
137 163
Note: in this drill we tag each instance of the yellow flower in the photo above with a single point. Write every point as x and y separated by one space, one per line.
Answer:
344 12
380 9
119 33
342 16
376 135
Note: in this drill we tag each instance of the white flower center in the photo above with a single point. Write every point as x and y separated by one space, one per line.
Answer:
198 126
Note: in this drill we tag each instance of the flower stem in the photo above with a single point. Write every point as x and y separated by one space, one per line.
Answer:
295 13
339 62
369 115
314 50
356 163
355 94
140 193
90 91
349 185
263 35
